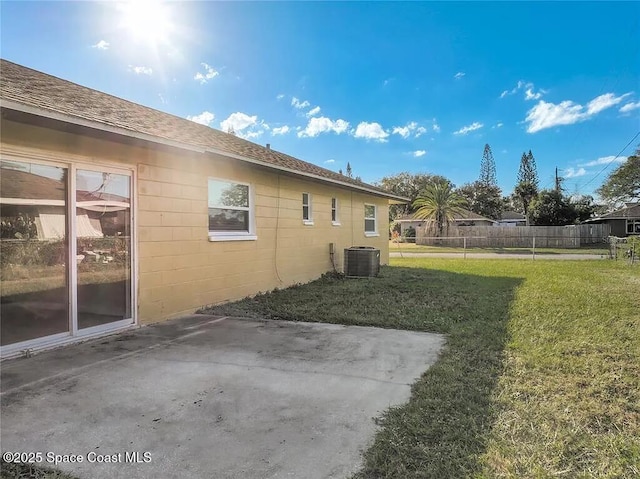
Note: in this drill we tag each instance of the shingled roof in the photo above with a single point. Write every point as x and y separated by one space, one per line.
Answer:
630 211
53 97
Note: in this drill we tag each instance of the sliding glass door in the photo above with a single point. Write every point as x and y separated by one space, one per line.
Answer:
103 239
34 297
44 295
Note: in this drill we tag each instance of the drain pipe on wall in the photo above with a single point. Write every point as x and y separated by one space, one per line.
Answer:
332 254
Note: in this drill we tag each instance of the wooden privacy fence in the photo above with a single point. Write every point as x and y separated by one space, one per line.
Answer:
517 236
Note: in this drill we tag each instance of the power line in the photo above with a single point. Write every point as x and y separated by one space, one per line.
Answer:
612 160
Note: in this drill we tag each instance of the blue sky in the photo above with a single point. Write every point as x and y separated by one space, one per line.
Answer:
388 87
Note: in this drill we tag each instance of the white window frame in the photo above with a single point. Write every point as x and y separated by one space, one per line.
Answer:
335 217
633 225
374 218
308 221
234 235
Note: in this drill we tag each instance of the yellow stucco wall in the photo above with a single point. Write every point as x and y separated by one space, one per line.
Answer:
179 269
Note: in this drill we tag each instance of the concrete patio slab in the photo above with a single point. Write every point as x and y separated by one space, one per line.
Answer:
212 397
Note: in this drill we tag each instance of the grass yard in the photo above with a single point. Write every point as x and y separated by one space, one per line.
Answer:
540 376
26 471
602 249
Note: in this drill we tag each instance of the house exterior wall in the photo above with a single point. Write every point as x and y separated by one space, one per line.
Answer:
618 227
179 269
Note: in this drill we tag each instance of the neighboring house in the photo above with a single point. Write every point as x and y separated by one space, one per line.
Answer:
623 222
161 215
466 218
512 218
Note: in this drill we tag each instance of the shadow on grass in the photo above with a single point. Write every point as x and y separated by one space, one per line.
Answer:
442 431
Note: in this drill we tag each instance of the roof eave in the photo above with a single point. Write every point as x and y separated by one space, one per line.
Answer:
54 115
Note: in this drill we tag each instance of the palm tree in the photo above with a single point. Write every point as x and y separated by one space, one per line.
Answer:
438 204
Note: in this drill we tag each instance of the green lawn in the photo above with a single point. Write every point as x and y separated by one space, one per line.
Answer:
540 376
414 248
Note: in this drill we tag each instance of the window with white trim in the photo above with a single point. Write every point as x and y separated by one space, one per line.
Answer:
633 227
335 219
307 213
231 211
370 222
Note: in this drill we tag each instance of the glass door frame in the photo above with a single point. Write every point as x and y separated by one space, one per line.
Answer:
74 333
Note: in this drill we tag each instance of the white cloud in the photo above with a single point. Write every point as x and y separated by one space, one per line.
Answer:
605 160
469 128
529 93
547 115
409 129
282 130
313 112
603 102
435 127
630 107
403 131
419 153
514 90
208 74
280 96
141 70
573 173
498 125
238 121
204 118
371 131
243 125
330 162
323 125
459 75
250 134
101 45
299 104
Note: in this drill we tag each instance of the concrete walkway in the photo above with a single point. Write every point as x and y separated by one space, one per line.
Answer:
212 397
523 256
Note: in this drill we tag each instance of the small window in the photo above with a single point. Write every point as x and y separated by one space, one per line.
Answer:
307 217
633 226
370 226
230 210
334 212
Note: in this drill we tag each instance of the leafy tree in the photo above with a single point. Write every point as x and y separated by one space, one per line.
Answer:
527 186
583 206
551 208
438 204
409 185
512 203
623 184
483 198
488 168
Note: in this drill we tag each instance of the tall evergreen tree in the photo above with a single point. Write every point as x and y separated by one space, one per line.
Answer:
527 186
349 171
488 168
528 172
